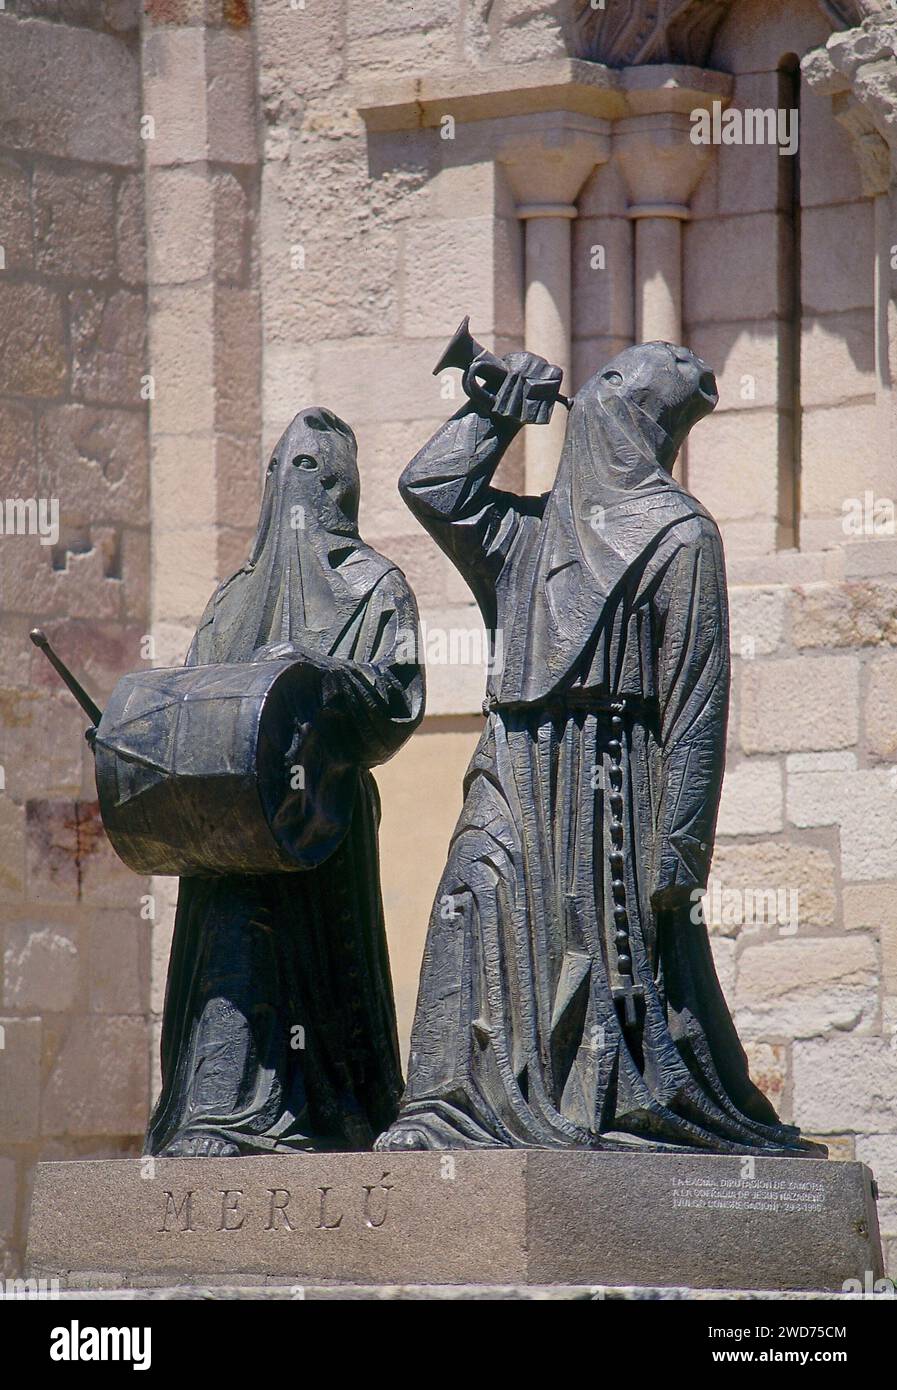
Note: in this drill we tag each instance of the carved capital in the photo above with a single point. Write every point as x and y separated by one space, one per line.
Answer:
858 69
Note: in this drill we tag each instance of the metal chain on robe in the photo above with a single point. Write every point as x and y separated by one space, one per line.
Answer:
618 883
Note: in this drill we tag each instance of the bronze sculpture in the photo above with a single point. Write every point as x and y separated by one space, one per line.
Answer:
247 773
568 996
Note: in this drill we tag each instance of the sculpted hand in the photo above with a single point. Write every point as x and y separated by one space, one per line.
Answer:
529 390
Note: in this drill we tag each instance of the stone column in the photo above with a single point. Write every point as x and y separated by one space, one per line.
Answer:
658 271
546 173
662 167
548 321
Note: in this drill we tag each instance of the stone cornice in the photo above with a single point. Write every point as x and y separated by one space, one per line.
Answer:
568 84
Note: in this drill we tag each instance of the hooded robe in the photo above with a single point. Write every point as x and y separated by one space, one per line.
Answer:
279 1024
568 996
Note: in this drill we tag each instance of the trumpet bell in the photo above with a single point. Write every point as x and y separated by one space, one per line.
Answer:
461 351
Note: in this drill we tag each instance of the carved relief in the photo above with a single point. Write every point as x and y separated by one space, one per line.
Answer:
650 31
681 31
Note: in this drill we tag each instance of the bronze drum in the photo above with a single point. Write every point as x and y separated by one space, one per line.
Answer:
221 769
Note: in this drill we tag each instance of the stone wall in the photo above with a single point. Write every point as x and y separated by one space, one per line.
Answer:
328 188
73 428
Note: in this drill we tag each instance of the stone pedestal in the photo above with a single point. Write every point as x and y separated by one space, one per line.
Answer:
485 1218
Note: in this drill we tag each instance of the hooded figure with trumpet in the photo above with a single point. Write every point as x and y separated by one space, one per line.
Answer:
568 996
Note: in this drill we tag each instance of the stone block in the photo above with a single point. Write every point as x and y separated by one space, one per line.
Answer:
40 968
135 572
733 464
174 95
776 716
844 1083
397 55
870 559
181 224
830 169
18 457
879 1152
801 876
184 484
40 742
231 87
182 347
233 229
237 338
869 906
531 31
732 269
74 223
108 333
807 987
20 1079
16 235
239 474
757 620
881 704
723 951
450 265
889 958
862 804
752 799
12 838
372 381
32 345
852 614
70 93
8 1203
748 176
838 253
98 1081
835 480
130 230
746 360
115 962
71 580
185 574
289 383
541 1217
94 459
753 38
311 41
371 19
837 358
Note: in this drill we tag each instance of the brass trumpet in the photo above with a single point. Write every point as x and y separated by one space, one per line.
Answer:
484 375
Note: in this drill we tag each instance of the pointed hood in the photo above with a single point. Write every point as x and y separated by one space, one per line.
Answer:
613 499
308 570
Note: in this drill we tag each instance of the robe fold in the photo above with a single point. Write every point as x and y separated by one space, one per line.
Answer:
568 995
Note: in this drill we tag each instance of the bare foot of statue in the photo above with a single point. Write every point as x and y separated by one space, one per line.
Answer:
199 1146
